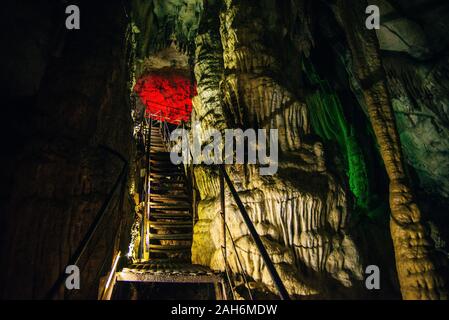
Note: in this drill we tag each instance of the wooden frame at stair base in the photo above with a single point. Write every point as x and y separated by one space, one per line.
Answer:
215 279
128 276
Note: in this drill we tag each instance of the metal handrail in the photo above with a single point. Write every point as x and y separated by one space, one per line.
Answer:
261 248
266 258
75 258
245 278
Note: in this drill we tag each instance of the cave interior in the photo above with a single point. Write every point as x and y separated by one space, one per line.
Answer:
362 159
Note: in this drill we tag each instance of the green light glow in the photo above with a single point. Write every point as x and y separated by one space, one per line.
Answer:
328 121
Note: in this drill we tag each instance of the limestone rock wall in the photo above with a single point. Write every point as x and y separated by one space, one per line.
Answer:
63 169
300 212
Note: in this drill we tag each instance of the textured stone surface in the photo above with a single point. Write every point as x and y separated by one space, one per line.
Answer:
62 175
418 265
400 34
300 212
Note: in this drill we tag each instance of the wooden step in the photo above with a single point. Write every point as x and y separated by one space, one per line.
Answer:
172 215
158 144
170 205
166 171
168 191
158 162
171 248
182 250
159 205
172 236
170 198
167 181
160 156
169 225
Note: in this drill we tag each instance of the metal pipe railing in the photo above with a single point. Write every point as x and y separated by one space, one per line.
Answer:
252 230
261 248
75 258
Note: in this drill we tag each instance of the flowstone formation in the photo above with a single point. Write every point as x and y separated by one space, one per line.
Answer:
301 211
418 265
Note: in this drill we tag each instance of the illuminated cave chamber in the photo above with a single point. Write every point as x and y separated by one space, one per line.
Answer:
363 138
167 95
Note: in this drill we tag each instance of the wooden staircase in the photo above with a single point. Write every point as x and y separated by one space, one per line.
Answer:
170 226
166 272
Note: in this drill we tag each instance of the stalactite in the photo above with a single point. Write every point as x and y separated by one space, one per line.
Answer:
329 122
418 270
300 212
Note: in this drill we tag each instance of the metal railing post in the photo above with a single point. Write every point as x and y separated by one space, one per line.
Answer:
223 216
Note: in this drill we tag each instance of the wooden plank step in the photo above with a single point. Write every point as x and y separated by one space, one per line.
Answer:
161 162
171 200
171 173
167 183
168 247
173 215
172 224
168 252
166 174
158 166
159 205
158 197
173 236
166 180
177 213
170 205
159 155
166 168
168 190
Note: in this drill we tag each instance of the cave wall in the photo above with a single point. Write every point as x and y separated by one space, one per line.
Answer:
260 86
413 42
301 212
66 97
66 93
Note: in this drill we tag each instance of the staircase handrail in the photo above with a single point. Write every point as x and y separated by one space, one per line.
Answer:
93 228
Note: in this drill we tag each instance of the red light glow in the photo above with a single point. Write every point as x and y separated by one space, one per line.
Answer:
167 96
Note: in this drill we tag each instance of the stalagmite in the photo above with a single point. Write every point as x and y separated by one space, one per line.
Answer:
417 268
302 219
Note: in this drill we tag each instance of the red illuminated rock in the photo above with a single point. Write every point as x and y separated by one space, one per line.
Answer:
167 96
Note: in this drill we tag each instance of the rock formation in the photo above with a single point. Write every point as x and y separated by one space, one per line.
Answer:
362 119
